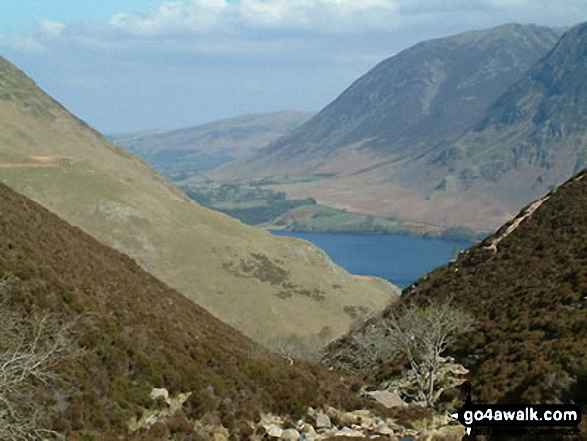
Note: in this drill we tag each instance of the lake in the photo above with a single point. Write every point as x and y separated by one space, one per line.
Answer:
400 259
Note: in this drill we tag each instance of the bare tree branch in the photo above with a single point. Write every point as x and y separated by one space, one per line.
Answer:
30 349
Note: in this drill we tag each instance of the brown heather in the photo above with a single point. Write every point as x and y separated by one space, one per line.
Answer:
137 334
529 299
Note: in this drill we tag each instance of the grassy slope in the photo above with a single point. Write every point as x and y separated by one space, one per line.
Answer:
236 272
138 334
530 302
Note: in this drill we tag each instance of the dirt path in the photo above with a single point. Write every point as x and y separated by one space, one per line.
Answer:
36 162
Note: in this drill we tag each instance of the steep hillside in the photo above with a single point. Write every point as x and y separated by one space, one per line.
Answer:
526 287
534 136
133 333
391 145
184 152
409 102
263 285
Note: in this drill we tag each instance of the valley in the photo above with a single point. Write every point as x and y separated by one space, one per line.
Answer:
170 285
56 159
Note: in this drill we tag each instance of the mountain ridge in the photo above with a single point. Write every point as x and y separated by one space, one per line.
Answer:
395 102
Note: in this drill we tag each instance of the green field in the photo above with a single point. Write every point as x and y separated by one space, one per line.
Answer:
254 204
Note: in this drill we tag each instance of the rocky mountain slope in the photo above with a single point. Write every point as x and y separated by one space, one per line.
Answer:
535 135
262 284
385 139
132 333
526 287
431 91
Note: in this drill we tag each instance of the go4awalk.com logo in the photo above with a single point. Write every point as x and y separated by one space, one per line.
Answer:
475 416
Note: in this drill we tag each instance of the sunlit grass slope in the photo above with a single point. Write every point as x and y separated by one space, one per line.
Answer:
263 285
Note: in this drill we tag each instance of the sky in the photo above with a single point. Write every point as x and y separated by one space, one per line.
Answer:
130 65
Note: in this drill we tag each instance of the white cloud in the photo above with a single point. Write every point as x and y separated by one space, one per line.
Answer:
23 43
320 15
173 17
199 16
50 28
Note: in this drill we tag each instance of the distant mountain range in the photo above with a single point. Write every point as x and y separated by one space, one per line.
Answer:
462 130
526 287
180 153
262 284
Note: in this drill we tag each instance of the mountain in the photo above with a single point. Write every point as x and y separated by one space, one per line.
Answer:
534 136
180 153
379 137
261 284
433 90
236 136
129 333
526 287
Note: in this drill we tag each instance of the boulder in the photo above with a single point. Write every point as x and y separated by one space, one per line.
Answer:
306 428
322 420
387 398
274 431
157 393
383 429
290 435
345 431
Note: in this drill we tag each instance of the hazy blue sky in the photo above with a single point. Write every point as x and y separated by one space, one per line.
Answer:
125 65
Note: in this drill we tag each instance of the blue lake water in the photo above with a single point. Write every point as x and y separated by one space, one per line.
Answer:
398 258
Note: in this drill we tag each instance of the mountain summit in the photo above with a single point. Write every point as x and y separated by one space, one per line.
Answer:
431 91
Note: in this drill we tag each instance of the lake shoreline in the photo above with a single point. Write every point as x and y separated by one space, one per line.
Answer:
399 259
474 236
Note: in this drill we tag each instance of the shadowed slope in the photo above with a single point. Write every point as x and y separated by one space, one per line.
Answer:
526 286
409 102
138 334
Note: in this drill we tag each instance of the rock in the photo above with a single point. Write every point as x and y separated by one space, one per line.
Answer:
290 435
157 393
345 431
175 404
268 420
362 413
306 428
383 429
274 431
388 399
322 420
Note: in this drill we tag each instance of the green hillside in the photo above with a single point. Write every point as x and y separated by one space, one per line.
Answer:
259 283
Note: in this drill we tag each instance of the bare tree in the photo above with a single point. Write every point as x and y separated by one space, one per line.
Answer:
308 348
422 335
30 348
